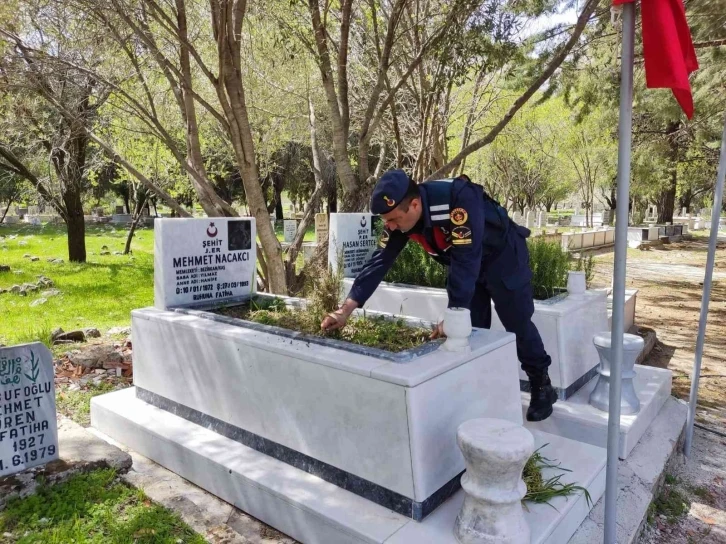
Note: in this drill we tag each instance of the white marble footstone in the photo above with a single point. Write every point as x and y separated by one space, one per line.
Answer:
311 510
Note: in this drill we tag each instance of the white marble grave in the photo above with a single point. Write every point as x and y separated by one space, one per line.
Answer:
28 429
382 423
203 261
351 236
576 419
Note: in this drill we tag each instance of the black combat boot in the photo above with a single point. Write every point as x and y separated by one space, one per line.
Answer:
543 396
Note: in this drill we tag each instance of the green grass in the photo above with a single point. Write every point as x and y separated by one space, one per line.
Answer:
93 508
77 404
671 502
99 293
541 490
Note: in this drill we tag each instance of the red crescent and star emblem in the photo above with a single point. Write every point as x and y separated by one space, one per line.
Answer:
211 230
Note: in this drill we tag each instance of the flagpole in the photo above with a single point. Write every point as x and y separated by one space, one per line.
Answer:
621 252
706 296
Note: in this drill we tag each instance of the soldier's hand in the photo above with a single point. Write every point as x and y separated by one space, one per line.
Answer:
334 320
437 331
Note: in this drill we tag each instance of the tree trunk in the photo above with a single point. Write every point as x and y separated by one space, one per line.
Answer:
10 203
227 20
76 229
137 217
667 199
333 199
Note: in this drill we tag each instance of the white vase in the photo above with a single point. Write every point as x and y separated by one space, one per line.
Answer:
457 328
576 284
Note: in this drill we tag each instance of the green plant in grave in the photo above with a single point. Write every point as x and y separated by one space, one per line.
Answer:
549 264
586 264
415 267
548 261
541 490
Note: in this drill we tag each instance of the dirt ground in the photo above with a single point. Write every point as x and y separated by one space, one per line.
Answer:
670 283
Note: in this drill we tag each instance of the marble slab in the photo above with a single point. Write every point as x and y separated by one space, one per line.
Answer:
311 510
577 420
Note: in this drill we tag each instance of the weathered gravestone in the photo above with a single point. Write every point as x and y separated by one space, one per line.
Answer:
321 227
199 261
28 429
290 228
351 236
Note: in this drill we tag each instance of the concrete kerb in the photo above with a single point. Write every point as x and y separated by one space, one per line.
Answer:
216 520
80 451
641 477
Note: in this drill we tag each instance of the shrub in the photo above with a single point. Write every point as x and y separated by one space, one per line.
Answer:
549 264
548 261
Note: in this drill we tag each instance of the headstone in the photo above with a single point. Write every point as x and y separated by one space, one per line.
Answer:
350 236
517 217
530 219
28 430
290 228
119 210
321 227
199 261
684 211
542 219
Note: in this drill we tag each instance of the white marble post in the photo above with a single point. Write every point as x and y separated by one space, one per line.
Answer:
495 452
600 396
457 327
530 219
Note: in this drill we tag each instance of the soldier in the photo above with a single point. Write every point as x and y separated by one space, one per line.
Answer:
461 227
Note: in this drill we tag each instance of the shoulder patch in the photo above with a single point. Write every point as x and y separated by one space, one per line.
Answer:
461 236
459 216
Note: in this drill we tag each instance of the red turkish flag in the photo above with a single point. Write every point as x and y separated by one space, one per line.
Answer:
667 48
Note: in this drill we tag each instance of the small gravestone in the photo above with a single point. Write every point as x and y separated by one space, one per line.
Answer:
321 227
351 235
542 219
199 261
28 430
290 228
530 219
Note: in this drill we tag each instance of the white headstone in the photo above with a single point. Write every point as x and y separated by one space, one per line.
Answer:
684 211
530 219
542 219
28 430
290 228
517 218
321 227
350 235
206 260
